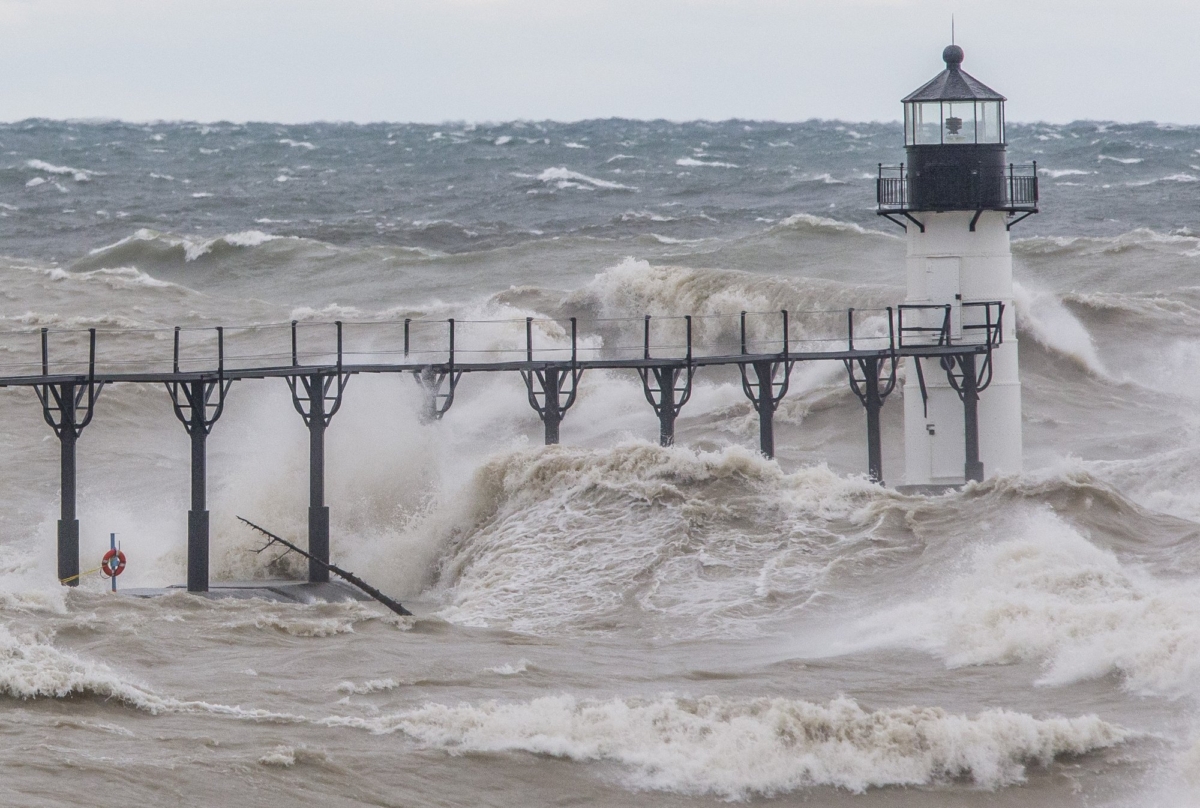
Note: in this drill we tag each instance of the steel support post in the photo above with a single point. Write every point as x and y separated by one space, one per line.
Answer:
318 511
667 410
197 555
765 393
667 395
873 403
317 397
68 523
553 412
67 408
765 403
552 389
973 468
196 410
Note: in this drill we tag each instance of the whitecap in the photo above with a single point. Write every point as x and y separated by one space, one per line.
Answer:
369 686
77 174
692 162
670 240
1055 173
645 215
565 178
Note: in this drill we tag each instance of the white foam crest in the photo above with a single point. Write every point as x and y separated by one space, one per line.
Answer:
738 748
1055 173
286 757
1127 161
565 178
511 668
670 240
192 248
692 162
43 319
77 174
297 625
329 313
1142 237
369 686
825 179
1042 316
1052 596
645 215
31 668
297 144
125 277
249 238
825 223
714 298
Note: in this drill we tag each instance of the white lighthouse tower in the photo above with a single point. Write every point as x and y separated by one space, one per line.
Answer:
957 198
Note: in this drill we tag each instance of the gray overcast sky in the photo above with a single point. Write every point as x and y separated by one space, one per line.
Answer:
490 60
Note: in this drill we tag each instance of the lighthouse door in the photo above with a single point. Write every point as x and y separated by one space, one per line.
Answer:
942 287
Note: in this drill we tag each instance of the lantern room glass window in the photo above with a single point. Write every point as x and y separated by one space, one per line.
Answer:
958 122
990 126
936 123
926 120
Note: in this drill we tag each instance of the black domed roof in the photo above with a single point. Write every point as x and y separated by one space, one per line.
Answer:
954 83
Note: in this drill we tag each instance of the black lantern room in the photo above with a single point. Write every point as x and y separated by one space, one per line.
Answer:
954 137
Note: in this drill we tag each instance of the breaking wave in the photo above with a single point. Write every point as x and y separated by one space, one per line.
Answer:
713 297
1042 316
563 178
151 244
1142 238
569 537
738 748
1050 595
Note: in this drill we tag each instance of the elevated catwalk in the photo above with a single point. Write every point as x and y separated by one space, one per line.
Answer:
317 360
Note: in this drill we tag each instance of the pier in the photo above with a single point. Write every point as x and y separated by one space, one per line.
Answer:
68 369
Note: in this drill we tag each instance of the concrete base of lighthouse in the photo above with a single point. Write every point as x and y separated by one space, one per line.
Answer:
949 264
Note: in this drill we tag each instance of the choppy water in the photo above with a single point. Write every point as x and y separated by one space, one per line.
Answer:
605 622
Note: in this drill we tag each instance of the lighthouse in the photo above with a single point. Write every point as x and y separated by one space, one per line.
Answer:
957 197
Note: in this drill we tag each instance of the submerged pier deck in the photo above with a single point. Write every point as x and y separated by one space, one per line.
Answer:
68 368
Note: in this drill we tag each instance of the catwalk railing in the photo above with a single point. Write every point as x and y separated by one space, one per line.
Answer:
68 368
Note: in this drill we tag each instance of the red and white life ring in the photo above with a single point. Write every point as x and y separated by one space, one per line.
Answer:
113 564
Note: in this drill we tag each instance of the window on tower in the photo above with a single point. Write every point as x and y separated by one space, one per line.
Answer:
935 123
991 122
925 120
958 122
